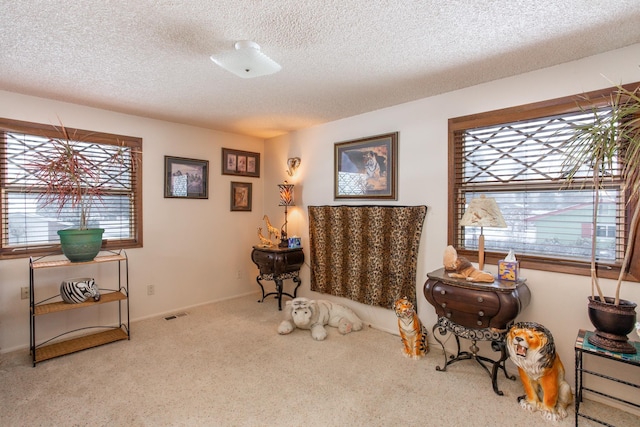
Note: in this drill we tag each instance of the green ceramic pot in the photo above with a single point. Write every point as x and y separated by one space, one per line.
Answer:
81 245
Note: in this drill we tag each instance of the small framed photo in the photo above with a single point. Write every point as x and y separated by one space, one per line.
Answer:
241 196
240 163
367 168
186 178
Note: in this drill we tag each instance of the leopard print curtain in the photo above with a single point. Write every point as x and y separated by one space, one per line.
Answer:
365 253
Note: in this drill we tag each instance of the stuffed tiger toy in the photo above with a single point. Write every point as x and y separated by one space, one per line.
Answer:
413 334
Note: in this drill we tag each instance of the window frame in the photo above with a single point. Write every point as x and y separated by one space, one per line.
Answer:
103 138
563 105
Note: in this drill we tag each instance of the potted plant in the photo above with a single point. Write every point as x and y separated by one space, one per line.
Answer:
66 177
609 142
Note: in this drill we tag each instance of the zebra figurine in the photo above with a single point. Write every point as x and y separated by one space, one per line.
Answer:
74 291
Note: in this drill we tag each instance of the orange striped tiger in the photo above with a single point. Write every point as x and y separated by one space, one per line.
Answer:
413 334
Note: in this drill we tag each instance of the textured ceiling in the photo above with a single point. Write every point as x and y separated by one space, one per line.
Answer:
339 57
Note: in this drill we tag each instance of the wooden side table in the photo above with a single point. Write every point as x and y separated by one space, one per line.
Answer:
583 347
477 312
278 264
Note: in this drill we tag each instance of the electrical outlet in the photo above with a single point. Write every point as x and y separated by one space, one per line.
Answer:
151 290
239 274
24 292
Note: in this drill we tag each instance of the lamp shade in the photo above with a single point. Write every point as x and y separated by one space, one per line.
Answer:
483 212
286 194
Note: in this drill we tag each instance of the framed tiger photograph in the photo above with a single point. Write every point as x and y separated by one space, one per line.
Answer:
367 168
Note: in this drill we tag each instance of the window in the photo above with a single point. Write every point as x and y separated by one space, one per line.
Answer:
29 227
516 156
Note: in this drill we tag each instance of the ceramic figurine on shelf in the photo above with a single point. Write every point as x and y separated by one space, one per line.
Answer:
264 242
532 350
461 268
270 228
75 291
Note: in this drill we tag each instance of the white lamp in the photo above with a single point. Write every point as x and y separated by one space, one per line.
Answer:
246 61
482 212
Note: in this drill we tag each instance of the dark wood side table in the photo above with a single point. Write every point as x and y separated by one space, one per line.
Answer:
278 264
477 312
583 347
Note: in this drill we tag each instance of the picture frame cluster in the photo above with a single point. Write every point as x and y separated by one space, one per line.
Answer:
364 169
241 163
186 178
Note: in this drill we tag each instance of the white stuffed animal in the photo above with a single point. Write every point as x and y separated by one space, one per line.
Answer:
315 314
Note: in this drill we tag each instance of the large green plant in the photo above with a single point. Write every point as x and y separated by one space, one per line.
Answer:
66 177
609 142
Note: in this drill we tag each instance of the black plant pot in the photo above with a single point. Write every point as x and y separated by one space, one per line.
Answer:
613 323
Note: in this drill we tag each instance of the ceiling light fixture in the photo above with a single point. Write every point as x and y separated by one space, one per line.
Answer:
246 61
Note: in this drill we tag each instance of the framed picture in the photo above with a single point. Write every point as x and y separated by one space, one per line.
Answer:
186 178
241 196
241 163
367 168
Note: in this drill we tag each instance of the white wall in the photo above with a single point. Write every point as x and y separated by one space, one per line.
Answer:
192 250
558 300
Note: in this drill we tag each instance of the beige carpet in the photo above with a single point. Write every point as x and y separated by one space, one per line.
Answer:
225 365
